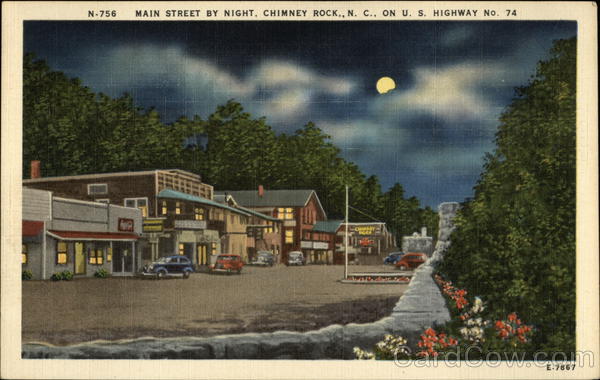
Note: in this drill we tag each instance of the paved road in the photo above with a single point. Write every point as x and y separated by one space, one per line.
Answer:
260 299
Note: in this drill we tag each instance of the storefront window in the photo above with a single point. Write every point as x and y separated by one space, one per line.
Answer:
109 255
289 236
24 253
199 213
96 256
61 252
163 208
181 249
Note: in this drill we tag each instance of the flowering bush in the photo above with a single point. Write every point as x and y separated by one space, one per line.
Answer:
469 327
432 343
390 348
457 295
513 331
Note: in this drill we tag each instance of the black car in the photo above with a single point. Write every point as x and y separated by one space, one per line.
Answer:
263 258
169 266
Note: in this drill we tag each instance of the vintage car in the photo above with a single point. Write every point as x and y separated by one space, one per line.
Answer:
393 258
169 266
263 258
227 263
296 258
411 260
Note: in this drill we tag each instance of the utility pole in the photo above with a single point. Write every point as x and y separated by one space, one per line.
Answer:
346 239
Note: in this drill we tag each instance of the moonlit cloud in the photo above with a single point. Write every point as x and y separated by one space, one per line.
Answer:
452 93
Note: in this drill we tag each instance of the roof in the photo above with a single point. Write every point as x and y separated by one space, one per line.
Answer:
84 235
273 198
260 215
105 175
32 228
330 226
172 194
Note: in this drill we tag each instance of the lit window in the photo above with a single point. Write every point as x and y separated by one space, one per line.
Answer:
24 253
199 213
285 213
213 248
177 208
109 255
269 229
96 256
289 236
61 252
141 203
181 249
163 208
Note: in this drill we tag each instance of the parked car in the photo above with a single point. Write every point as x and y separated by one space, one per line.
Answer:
296 258
263 258
169 266
393 258
411 261
228 263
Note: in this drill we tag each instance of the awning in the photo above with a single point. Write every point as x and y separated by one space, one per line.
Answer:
87 236
32 228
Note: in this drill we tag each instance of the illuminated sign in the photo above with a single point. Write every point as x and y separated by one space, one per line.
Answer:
153 225
366 229
366 242
125 225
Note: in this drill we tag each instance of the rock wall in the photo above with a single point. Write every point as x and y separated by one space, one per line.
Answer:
421 306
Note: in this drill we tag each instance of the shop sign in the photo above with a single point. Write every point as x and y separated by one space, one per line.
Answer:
306 244
153 225
366 229
320 245
125 225
366 242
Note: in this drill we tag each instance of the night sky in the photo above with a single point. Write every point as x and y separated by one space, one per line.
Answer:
453 79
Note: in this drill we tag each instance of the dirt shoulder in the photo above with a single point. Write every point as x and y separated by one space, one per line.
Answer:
259 300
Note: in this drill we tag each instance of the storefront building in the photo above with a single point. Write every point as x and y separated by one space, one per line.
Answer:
62 234
298 210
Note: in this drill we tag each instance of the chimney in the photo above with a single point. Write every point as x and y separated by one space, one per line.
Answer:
35 169
423 231
261 190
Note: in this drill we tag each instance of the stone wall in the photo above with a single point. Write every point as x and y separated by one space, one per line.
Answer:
422 305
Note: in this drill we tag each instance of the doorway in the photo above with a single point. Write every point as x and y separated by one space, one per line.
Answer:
79 258
122 258
202 254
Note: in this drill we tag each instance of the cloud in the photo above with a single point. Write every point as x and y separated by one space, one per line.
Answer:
453 93
364 134
278 89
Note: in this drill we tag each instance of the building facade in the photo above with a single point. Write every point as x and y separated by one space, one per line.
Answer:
179 215
298 211
62 234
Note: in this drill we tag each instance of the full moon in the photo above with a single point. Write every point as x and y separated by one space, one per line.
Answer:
385 84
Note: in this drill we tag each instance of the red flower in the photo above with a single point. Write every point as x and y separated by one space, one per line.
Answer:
512 317
430 332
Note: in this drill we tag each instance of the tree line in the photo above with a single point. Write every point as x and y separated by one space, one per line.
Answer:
73 130
515 240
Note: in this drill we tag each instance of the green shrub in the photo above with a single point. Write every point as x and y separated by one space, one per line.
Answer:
101 273
67 275
26 275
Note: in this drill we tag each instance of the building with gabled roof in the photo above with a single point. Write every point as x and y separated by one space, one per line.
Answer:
298 210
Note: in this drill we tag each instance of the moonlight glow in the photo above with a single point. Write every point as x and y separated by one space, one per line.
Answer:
385 84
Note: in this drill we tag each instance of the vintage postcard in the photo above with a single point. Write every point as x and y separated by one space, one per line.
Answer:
299 190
